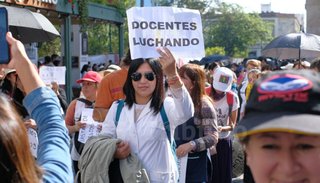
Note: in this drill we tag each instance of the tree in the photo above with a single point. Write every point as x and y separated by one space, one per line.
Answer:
235 30
201 5
214 50
104 37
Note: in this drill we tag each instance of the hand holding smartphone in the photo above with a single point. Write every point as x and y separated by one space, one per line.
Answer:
4 46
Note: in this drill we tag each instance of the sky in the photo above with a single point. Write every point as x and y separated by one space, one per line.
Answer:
282 6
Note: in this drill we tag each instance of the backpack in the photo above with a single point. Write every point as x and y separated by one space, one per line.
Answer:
230 102
165 121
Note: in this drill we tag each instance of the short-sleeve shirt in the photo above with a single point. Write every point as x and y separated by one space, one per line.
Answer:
111 89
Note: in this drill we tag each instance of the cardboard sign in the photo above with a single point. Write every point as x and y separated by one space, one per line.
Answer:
178 29
182 167
92 128
33 141
49 74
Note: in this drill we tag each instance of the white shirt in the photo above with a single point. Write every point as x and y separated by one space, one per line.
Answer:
147 136
222 109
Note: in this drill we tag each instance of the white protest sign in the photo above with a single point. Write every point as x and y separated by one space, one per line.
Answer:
178 29
49 74
92 128
182 167
33 141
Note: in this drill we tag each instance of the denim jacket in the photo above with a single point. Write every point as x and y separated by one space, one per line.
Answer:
53 149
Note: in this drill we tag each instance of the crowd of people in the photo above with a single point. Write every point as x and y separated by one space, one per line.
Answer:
153 114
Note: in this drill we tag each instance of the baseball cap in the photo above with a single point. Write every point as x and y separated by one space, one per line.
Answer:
90 76
222 79
283 101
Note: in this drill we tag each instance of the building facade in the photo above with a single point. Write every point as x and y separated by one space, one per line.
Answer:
282 24
313 16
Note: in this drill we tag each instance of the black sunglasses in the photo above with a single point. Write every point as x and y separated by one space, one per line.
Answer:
137 76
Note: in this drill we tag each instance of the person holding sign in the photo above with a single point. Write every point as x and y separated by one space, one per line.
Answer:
140 125
89 83
53 158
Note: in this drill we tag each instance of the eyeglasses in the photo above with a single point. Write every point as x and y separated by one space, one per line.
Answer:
137 76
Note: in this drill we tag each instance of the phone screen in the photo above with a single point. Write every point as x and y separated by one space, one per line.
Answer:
4 47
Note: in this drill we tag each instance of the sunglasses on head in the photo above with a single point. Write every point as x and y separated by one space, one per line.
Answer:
148 75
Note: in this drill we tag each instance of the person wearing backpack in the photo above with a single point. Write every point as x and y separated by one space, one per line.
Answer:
141 126
226 104
89 83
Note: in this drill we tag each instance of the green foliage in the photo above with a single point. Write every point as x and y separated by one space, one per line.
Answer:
214 50
50 47
83 13
99 34
235 30
200 5
102 39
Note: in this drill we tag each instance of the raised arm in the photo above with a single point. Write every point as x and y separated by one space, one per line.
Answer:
43 106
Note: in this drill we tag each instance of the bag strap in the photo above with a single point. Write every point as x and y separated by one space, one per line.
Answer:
119 109
163 114
87 102
166 123
230 102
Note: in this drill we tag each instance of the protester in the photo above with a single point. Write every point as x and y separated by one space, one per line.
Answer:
315 65
204 134
301 64
251 64
61 94
89 83
226 104
110 89
253 75
280 131
17 163
140 125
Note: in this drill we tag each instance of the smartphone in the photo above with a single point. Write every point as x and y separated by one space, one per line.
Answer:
4 46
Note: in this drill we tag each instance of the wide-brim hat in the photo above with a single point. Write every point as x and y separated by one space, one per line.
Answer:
283 101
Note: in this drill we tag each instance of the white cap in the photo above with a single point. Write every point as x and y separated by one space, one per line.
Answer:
222 79
287 67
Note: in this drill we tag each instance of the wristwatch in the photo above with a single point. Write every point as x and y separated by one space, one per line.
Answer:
193 144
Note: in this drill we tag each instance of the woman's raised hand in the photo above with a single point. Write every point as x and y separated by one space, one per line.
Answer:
167 61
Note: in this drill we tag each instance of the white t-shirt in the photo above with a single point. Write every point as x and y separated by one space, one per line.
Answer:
222 109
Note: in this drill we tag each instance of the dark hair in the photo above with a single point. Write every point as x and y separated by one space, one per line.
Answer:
47 59
213 65
315 64
17 163
158 93
127 58
85 68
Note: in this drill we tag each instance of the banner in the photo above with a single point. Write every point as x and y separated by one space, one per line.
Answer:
178 29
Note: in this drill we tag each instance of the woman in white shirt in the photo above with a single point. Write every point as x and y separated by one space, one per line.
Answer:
140 125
